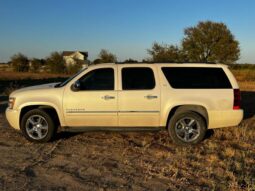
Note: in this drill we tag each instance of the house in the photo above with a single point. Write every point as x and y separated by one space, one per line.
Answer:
72 57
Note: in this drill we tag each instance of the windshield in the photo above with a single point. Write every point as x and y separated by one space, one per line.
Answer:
69 79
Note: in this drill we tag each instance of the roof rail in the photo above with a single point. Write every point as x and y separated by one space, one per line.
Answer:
165 63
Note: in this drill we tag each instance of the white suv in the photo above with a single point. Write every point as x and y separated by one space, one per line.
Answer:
186 99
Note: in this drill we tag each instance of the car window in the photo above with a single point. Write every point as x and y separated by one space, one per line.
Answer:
196 78
141 78
98 79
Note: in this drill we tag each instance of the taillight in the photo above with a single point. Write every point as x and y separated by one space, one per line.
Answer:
237 99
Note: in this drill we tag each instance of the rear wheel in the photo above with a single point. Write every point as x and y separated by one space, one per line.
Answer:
37 126
187 128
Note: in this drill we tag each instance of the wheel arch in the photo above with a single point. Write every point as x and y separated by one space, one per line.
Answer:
199 109
47 108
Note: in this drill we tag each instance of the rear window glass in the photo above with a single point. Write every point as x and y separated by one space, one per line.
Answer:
196 78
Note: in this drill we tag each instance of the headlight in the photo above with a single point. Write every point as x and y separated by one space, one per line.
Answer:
11 102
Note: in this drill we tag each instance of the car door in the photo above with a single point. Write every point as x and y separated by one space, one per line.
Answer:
138 96
95 103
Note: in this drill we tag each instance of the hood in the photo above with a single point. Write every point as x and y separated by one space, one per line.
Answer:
38 87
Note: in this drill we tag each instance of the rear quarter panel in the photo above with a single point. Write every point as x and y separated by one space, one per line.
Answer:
217 102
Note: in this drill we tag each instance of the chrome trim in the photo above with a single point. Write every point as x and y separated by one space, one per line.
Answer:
111 111
91 111
138 111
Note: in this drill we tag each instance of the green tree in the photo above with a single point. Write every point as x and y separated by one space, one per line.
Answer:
35 65
165 53
56 63
106 57
20 62
210 42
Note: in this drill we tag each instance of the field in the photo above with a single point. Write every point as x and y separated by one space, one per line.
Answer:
225 160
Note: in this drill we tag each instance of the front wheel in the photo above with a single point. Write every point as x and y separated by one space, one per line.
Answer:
187 128
37 126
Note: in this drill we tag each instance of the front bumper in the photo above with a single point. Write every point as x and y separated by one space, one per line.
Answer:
227 118
13 117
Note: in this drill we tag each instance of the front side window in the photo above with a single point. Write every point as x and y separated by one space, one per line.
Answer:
137 78
98 79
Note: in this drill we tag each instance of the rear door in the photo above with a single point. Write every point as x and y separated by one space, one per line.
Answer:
138 96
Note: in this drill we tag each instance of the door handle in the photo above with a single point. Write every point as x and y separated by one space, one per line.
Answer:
107 97
151 97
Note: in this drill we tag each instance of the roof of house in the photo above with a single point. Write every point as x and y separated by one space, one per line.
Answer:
68 53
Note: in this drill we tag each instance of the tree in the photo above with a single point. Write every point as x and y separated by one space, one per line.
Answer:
97 61
35 65
165 53
107 57
56 63
20 62
130 60
210 42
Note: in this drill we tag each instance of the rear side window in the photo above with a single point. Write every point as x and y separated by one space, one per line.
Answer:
98 79
137 78
196 78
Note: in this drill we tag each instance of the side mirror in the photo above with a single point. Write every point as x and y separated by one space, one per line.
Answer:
76 86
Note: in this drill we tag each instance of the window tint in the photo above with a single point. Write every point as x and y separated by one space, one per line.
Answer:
196 78
137 78
98 79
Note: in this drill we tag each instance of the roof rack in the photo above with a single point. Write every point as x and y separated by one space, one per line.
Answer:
165 63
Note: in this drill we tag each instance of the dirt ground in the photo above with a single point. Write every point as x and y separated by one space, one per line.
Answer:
130 161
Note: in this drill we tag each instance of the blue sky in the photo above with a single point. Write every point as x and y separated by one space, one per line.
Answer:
125 27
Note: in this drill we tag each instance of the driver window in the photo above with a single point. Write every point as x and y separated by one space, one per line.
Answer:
98 79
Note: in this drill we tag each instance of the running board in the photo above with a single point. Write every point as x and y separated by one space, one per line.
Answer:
114 129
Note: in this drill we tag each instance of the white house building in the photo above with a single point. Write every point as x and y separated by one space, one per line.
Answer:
71 57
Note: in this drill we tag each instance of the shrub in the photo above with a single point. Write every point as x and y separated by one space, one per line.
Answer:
35 65
20 63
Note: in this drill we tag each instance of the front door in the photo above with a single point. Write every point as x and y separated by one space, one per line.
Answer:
95 104
138 97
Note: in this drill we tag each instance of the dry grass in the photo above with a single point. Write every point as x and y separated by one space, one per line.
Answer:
130 161
247 86
245 78
4 75
10 81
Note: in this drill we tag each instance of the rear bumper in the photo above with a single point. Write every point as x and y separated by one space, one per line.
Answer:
229 118
13 117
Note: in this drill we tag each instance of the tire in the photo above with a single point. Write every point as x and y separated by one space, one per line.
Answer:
187 128
38 126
